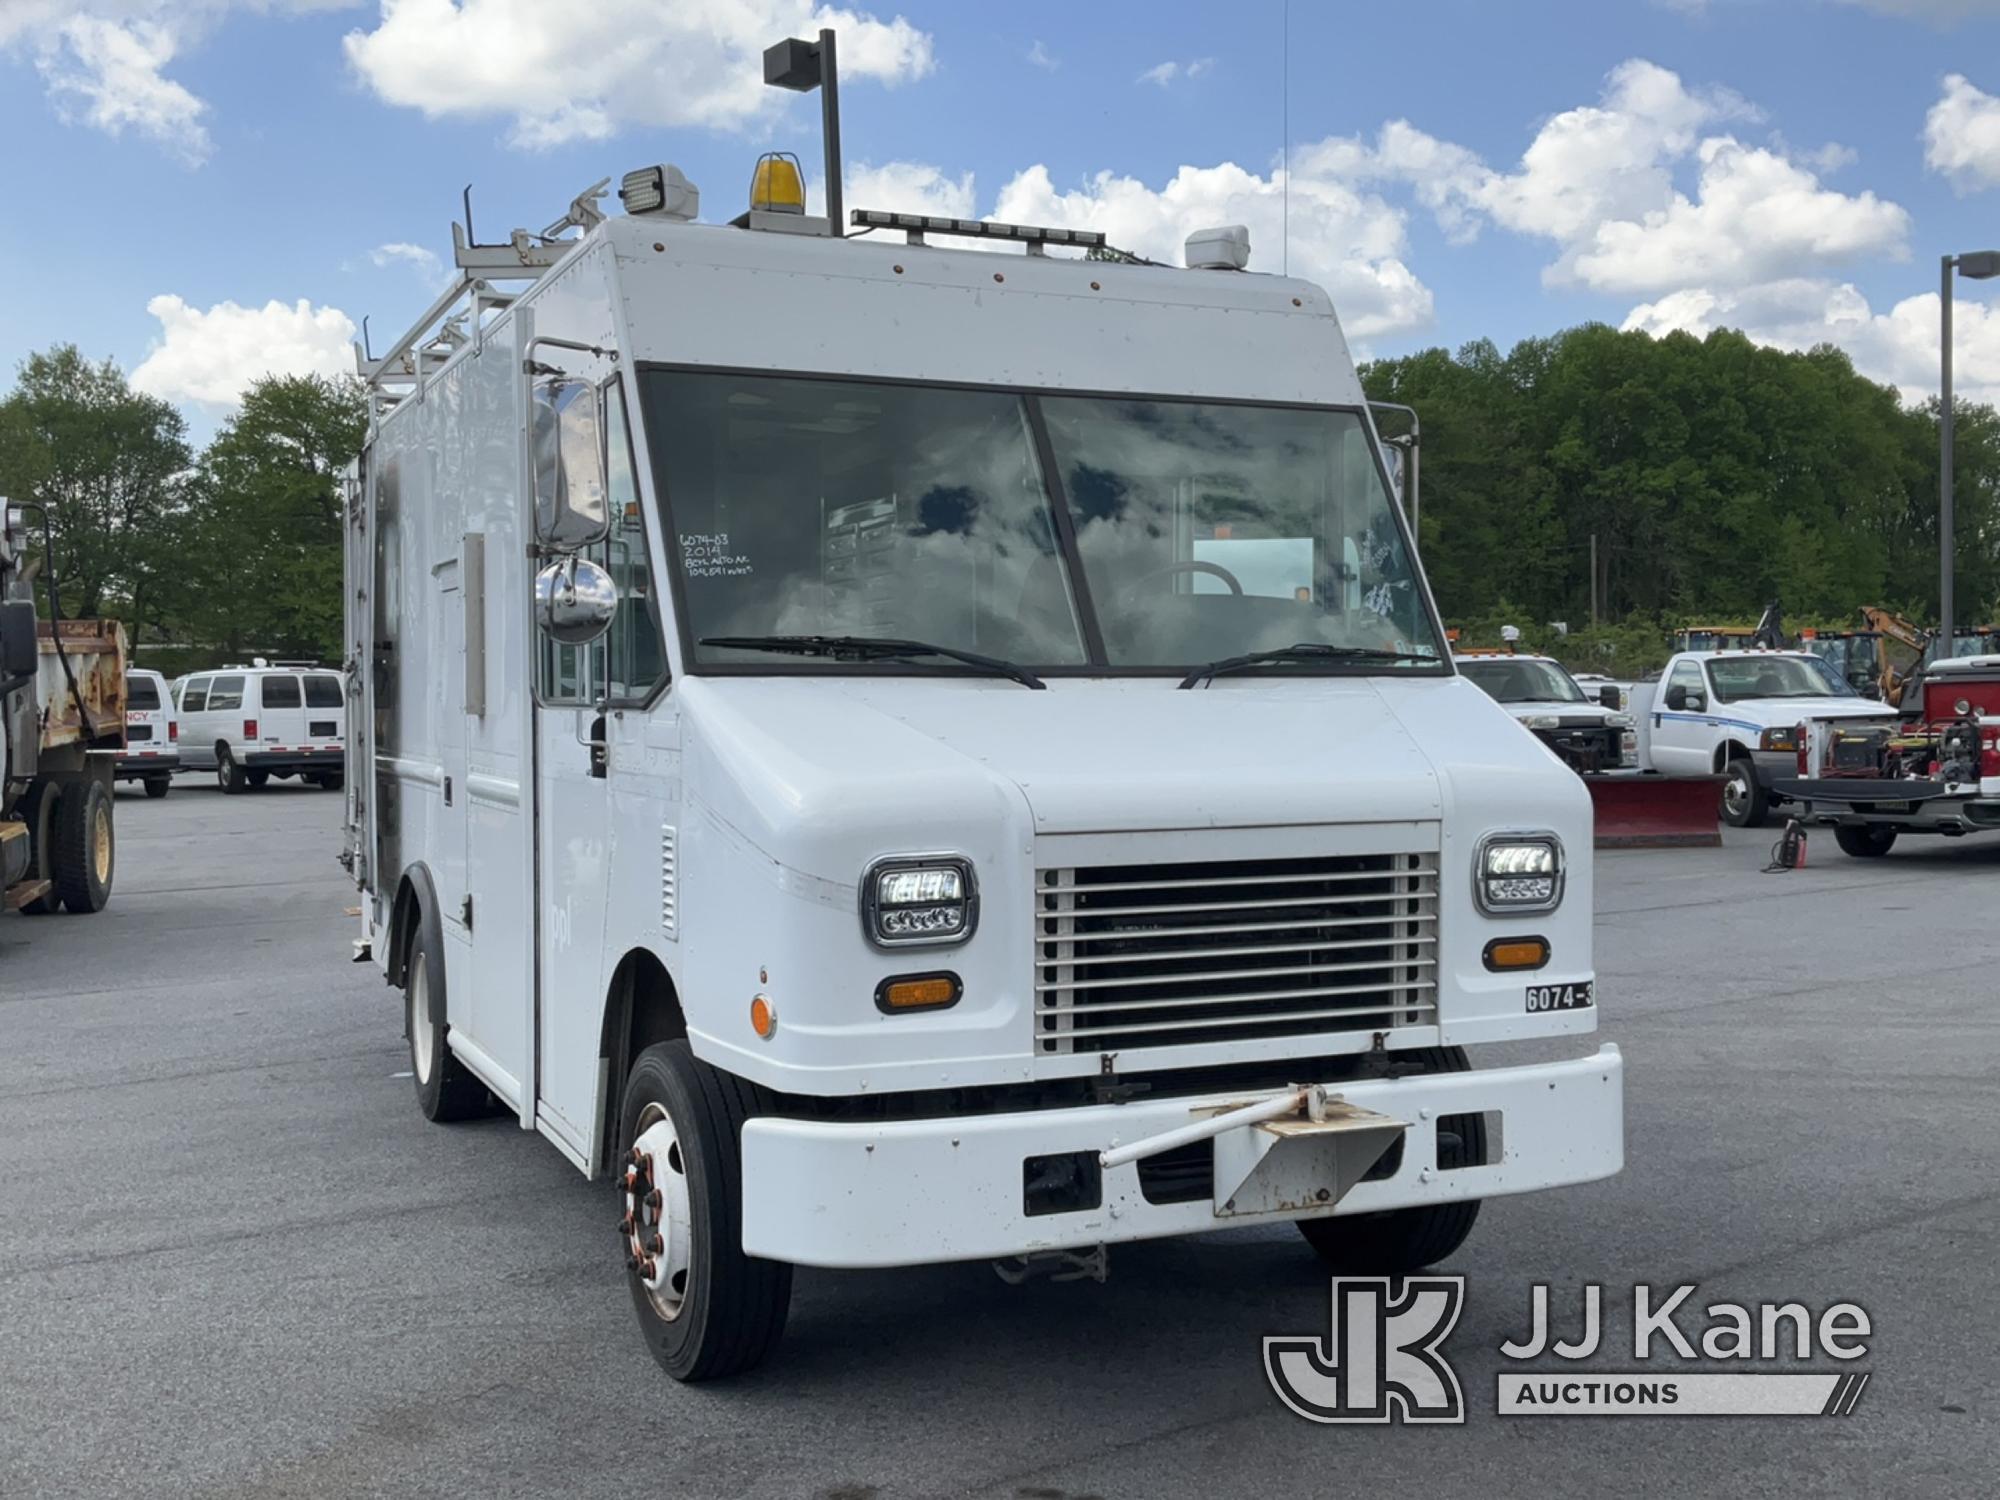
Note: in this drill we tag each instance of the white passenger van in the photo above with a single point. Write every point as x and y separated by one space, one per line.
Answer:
897 753
152 750
251 723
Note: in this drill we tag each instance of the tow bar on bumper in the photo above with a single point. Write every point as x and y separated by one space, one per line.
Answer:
909 1192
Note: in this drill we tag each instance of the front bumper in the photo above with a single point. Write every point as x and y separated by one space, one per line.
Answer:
911 1192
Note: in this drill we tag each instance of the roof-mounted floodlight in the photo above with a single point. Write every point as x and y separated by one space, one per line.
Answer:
1225 248
1035 236
661 190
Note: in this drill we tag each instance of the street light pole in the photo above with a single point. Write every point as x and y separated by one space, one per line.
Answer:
1974 265
1946 537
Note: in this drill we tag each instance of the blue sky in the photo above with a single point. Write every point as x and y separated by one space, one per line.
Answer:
203 189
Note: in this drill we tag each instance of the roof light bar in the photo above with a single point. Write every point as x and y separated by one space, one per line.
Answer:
919 225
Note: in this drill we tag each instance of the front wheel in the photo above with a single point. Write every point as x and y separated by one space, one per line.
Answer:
1402 1240
1865 840
706 1308
1744 801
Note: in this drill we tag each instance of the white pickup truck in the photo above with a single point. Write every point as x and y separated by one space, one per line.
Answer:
1736 714
1586 733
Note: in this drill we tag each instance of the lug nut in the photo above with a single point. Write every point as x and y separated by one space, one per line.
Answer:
626 1224
656 1200
658 1247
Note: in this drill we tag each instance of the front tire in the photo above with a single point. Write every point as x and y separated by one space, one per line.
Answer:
1745 804
1402 1240
447 1090
86 854
1864 841
707 1310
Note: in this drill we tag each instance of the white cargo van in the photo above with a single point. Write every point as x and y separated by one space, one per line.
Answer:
152 750
250 723
896 752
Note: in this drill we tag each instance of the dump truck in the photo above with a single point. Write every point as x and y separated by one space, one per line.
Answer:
937 746
62 727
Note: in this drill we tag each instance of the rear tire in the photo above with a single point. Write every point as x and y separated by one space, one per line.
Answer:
86 854
158 787
257 779
447 1090
714 1311
228 775
1402 1240
38 810
1864 841
1745 804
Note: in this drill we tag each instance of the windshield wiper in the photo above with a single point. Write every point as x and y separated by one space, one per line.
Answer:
871 648
1303 651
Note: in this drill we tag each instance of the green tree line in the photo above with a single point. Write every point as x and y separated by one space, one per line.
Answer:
205 557
1715 475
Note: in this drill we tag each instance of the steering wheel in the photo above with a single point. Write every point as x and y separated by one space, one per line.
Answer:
1195 565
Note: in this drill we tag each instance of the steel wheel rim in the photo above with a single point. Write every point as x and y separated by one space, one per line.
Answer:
100 844
421 1057
659 1218
1735 794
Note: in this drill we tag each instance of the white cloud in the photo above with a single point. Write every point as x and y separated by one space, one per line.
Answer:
208 358
1166 72
581 72
1350 242
108 74
1937 12
907 187
426 263
1042 58
1962 136
1898 347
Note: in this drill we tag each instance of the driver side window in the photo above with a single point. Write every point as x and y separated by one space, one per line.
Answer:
1687 676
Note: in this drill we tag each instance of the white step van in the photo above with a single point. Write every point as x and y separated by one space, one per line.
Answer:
898 750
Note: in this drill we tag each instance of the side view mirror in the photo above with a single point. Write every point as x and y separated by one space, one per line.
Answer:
18 648
571 509
1697 701
574 601
1677 699
1610 697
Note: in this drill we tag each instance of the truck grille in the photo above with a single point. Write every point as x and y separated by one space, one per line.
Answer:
1173 954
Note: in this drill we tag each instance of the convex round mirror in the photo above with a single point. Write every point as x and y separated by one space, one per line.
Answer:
574 601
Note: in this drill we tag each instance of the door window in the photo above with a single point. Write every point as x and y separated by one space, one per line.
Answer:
194 696
1688 675
225 693
281 692
323 691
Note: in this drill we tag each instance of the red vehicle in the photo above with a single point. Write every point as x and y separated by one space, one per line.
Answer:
1934 769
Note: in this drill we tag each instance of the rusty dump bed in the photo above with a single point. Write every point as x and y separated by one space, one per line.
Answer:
96 652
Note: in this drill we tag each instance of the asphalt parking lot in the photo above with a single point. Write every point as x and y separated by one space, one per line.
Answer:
235 1261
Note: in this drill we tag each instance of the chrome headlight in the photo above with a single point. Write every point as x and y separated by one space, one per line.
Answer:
1518 872
915 899
1543 721
1617 721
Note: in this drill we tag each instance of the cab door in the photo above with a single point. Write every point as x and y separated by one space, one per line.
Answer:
1684 735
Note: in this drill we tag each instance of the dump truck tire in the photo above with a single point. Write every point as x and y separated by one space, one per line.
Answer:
715 1310
86 853
1401 1240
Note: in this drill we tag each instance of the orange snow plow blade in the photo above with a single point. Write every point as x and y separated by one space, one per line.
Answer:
1646 811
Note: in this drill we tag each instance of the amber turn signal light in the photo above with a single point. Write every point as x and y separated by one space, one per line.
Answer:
1503 954
763 1019
907 992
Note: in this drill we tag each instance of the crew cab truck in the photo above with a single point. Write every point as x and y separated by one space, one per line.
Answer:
1936 771
1735 714
896 750
62 726
1588 735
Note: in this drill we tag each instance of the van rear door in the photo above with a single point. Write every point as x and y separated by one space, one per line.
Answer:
146 715
281 718
326 712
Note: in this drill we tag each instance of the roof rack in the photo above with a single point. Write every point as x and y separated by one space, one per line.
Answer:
439 331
